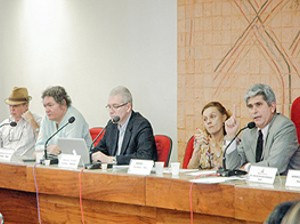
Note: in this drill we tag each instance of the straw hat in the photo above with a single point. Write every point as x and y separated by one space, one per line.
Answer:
19 95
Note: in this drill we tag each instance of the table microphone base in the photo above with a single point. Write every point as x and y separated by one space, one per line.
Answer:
229 173
53 160
96 165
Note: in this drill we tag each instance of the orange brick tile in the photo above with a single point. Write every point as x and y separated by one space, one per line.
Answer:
220 57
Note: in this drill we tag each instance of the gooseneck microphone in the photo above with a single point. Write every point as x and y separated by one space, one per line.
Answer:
12 124
70 121
114 120
226 172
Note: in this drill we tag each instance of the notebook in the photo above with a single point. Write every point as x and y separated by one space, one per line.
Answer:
75 146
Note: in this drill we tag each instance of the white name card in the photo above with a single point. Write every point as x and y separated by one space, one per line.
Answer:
260 174
6 155
68 161
140 167
293 178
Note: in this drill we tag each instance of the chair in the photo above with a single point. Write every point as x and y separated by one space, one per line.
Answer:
94 133
164 148
295 115
188 152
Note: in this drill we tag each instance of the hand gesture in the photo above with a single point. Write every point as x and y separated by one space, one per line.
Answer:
200 139
28 116
231 125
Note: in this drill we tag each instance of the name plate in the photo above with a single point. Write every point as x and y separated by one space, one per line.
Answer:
140 167
293 178
260 174
68 161
6 155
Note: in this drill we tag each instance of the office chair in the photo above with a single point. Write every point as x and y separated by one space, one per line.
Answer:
94 132
295 115
164 148
188 152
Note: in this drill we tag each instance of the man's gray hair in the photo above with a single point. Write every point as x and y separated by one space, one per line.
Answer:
263 90
124 92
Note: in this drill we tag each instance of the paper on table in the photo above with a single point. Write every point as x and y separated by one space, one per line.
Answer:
202 172
214 180
168 170
188 170
120 166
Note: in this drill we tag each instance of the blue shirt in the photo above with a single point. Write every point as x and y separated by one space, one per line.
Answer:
78 129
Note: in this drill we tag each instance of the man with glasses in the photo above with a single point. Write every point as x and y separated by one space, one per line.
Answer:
20 130
128 134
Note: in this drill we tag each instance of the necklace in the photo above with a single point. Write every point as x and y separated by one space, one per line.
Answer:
216 148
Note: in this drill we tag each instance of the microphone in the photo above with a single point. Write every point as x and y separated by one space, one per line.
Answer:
114 120
236 172
96 138
12 124
55 160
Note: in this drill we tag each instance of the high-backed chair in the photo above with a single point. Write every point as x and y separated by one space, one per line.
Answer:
188 152
94 133
164 148
295 115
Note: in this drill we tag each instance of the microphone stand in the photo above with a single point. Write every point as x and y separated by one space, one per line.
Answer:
91 147
12 124
97 165
54 159
235 172
114 121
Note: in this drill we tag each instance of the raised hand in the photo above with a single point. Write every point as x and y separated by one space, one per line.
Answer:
232 125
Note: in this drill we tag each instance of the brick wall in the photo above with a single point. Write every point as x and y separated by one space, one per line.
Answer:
225 46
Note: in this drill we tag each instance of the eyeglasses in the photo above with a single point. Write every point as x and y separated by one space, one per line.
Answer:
115 106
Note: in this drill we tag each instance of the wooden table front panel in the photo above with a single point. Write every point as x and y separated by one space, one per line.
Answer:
13 176
209 199
256 204
95 185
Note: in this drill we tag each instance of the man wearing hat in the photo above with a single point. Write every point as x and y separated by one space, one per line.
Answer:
19 131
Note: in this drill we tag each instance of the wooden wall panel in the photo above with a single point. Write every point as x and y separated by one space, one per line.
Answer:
224 47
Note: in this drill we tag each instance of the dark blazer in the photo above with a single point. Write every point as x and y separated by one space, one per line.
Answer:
138 142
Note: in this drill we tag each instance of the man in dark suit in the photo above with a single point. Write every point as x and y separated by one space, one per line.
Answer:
131 137
278 145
